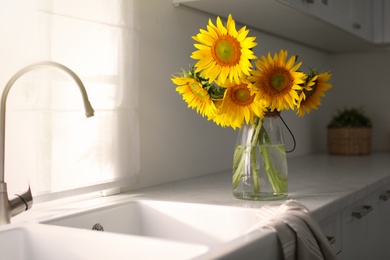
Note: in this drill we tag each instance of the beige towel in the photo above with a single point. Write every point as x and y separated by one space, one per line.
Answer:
300 236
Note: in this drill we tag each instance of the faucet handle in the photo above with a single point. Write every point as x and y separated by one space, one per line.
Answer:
21 202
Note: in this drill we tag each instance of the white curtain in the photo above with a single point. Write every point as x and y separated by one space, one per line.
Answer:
49 141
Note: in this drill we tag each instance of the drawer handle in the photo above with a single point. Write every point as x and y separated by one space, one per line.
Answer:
362 213
356 26
385 196
331 239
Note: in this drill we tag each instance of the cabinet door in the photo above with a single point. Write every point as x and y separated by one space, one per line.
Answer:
331 228
355 226
319 9
361 19
355 17
366 228
386 22
379 232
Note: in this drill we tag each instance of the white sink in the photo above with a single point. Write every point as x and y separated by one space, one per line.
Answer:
138 229
43 242
185 222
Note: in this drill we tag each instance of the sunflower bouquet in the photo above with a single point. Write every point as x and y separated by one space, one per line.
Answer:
225 87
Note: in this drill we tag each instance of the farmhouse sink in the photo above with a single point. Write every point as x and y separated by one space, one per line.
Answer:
129 228
185 222
43 242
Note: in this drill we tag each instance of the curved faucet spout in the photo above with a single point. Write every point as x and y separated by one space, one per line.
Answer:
11 208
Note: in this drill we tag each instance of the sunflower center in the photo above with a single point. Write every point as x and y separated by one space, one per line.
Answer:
198 90
277 81
280 80
226 51
241 95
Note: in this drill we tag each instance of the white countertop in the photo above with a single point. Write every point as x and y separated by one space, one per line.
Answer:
323 183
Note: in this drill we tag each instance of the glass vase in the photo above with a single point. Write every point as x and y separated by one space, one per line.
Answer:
260 162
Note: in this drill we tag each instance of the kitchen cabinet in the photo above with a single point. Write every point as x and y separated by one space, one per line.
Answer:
328 25
355 231
362 229
366 226
379 233
385 29
350 15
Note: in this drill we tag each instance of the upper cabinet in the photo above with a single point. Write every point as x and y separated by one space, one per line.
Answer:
328 25
357 17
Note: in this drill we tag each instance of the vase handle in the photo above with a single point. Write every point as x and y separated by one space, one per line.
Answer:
291 133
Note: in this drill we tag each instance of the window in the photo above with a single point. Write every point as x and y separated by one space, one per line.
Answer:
49 142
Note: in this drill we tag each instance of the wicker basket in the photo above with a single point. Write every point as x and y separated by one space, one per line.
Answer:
349 141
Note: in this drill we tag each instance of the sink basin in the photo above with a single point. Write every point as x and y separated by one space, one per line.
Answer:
185 222
44 242
138 229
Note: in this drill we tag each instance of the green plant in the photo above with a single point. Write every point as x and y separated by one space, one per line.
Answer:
350 117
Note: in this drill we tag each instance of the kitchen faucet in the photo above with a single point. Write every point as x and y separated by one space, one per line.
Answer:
23 202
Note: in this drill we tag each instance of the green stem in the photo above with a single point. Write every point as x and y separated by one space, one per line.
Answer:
277 180
255 139
271 172
240 156
238 160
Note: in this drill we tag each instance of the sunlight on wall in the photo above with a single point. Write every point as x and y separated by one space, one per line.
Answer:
48 137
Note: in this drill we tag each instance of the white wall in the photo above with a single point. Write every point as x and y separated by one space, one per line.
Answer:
177 143
360 80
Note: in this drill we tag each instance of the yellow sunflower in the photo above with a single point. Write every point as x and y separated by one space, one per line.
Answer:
238 106
195 95
307 87
277 80
310 98
223 52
